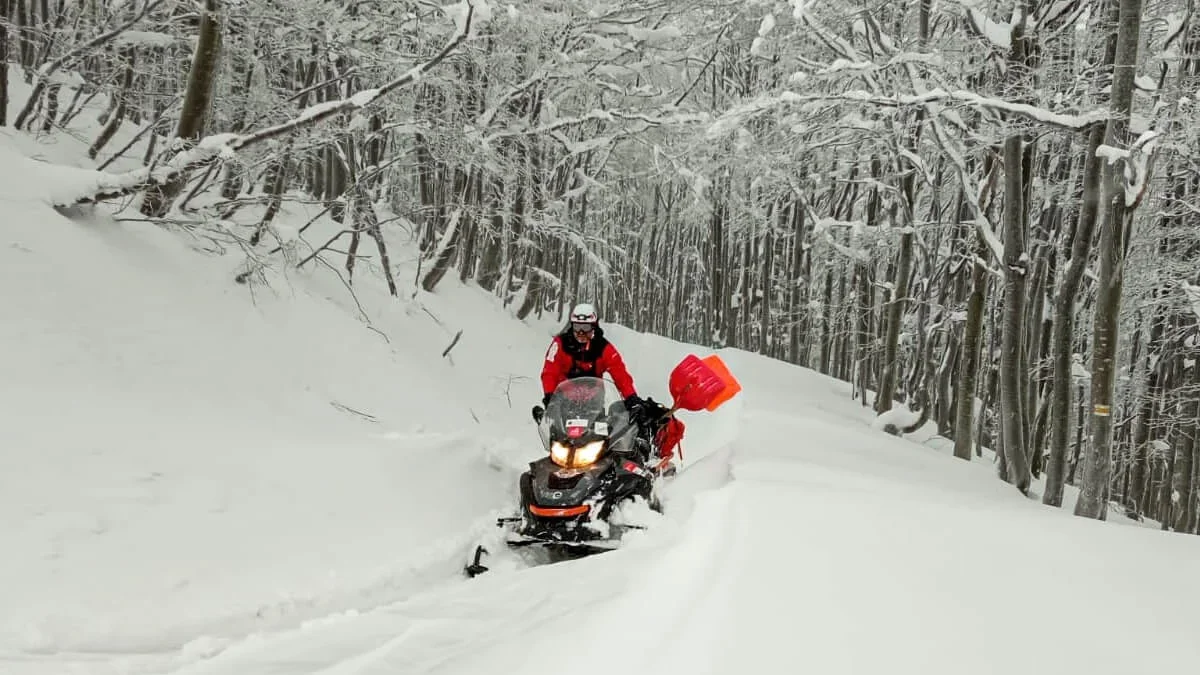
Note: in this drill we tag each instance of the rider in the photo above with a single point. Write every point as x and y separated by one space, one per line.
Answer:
581 350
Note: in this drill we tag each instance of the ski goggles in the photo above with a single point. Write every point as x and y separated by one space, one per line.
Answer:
582 327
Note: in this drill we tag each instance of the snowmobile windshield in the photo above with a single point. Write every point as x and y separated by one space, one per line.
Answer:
584 410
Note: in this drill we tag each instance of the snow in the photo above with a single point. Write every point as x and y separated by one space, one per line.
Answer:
767 25
898 417
325 106
764 28
1134 163
1111 154
654 36
1137 168
764 103
364 97
145 39
199 477
1192 293
165 411
1079 373
481 14
998 34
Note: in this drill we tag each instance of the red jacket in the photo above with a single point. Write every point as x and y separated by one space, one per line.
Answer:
567 358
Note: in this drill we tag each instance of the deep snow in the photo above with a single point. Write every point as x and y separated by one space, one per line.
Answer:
185 487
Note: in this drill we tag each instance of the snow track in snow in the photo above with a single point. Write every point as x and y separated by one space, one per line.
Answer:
290 623
452 622
427 617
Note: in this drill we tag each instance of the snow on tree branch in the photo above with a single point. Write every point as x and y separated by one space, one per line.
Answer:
836 44
485 119
736 115
99 186
1136 164
552 129
975 197
998 34
1193 297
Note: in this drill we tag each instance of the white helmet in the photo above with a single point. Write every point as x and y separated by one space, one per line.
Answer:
584 312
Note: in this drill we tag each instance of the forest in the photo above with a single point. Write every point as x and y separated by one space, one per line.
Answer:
979 211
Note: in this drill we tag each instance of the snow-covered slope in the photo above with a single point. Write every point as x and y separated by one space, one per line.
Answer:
203 477
796 540
185 457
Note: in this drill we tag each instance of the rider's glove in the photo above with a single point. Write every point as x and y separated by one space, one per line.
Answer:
635 406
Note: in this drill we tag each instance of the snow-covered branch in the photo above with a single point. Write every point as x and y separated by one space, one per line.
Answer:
209 149
1136 164
1033 113
553 129
974 194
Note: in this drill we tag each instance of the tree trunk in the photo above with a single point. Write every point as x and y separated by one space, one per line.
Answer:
197 102
1183 485
1062 382
1063 329
1013 327
1093 501
5 42
969 363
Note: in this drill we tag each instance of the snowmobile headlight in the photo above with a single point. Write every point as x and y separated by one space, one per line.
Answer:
560 453
588 454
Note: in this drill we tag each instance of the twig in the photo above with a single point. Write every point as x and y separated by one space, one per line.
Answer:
452 343
348 409
417 284
435 319
508 387
307 225
700 75
324 246
138 136
366 317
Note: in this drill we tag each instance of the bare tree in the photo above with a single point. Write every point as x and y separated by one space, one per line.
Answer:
1118 201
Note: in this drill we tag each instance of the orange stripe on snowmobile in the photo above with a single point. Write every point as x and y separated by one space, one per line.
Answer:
558 513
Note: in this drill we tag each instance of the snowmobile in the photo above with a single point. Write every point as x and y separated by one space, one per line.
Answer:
601 456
